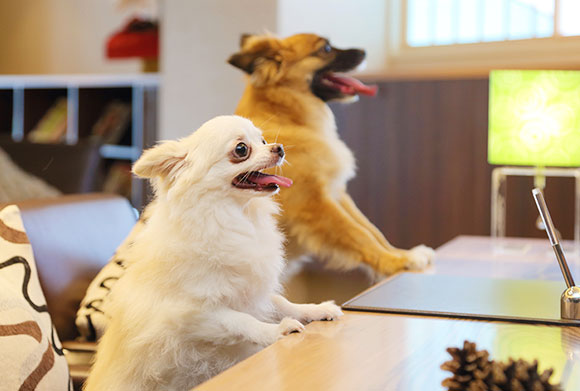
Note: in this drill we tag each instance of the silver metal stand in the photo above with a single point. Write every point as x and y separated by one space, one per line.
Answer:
570 299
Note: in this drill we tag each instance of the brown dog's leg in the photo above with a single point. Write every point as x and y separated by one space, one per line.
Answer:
330 232
350 207
420 251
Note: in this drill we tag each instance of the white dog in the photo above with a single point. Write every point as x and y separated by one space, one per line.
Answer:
200 291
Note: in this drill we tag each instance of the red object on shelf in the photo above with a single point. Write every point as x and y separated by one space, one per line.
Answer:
139 38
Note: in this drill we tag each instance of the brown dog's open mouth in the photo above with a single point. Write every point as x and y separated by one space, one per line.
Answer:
259 181
329 83
346 85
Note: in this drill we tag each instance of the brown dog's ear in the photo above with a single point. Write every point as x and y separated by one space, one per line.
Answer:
244 38
163 160
244 61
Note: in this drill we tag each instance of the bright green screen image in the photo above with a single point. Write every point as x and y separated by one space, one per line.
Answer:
534 118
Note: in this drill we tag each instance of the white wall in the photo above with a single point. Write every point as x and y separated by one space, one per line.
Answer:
198 36
197 39
347 23
59 36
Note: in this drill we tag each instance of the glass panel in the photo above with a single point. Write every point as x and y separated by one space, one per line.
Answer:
444 22
521 20
545 25
418 23
568 17
468 21
531 18
494 28
544 17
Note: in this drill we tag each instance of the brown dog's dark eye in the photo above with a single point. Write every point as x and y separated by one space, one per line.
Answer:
326 48
241 150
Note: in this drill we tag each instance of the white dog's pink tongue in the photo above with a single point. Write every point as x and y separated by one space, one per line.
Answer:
265 179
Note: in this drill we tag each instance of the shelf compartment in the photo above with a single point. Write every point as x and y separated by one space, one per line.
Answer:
6 109
24 101
92 104
37 102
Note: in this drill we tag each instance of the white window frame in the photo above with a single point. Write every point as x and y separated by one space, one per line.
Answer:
556 52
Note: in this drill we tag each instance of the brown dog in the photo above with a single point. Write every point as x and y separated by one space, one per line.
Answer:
290 81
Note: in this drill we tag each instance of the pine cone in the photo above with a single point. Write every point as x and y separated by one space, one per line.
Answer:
517 375
473 371
467 366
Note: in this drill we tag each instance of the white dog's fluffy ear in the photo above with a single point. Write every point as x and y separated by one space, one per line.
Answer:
164 160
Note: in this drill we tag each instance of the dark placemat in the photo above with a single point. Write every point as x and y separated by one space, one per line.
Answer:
529 301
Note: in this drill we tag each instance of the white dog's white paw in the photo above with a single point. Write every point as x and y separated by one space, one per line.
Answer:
274 332
420 257
289 325
323 311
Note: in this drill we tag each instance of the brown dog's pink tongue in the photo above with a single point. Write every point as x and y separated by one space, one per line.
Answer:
265 179
353 83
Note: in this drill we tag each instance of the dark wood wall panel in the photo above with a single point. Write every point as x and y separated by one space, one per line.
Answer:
423 176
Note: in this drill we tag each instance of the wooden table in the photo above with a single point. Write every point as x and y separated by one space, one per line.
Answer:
368 351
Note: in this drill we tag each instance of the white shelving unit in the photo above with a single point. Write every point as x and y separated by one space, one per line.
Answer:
24 99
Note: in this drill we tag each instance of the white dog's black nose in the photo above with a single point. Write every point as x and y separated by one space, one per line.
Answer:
278 149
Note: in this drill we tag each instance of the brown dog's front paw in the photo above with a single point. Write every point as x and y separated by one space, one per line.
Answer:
420 257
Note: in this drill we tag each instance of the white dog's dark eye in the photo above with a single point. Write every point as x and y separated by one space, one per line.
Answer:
241 150
263 141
